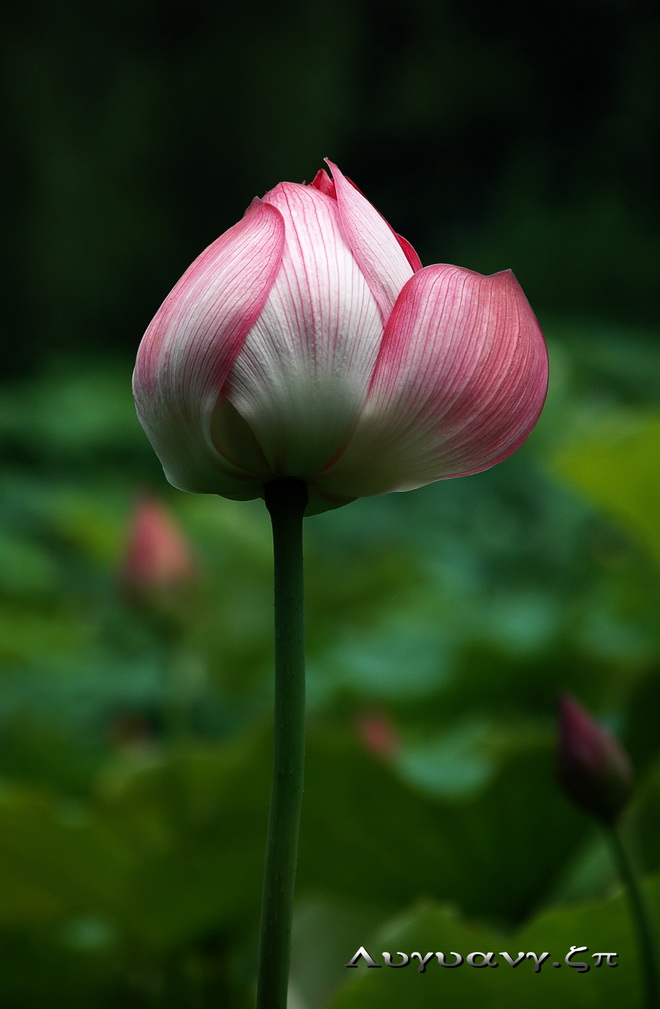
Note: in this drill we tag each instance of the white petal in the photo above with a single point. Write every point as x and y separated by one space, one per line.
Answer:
302 375
385 259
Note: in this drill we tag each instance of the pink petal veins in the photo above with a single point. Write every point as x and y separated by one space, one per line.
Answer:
189 347
459 383
377 249
301 378
408 251
324 183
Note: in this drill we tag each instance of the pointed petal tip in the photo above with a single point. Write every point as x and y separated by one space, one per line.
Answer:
385 261
323 183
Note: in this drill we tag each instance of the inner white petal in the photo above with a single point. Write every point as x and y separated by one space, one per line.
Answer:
301 378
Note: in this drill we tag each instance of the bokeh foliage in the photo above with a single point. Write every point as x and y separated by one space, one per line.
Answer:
441 623
449 617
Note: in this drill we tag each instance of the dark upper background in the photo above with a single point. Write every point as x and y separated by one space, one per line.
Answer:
492 135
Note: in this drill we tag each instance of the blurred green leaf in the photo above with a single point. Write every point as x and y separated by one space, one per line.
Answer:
601 926
57 861
198 822
616 467
368 833
71 411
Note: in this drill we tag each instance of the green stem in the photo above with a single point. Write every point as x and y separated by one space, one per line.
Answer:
640 915
286 501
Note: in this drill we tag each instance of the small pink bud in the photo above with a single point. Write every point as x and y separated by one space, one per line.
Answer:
378 733
158 564
594 770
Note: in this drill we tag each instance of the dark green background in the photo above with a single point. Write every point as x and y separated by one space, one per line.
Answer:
495 135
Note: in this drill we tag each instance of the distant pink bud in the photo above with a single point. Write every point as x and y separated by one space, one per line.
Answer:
309 342
378 733
158 560
594 770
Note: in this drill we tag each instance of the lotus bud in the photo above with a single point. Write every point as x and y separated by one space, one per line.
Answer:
308 342
159 568
594 770
378 733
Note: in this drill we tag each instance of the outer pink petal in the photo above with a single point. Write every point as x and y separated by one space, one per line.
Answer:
459 384
189 347
377 249
409 252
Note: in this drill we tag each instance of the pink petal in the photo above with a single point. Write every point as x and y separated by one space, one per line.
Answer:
376 247
459 384
301 378
191 344
324 183
409 252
